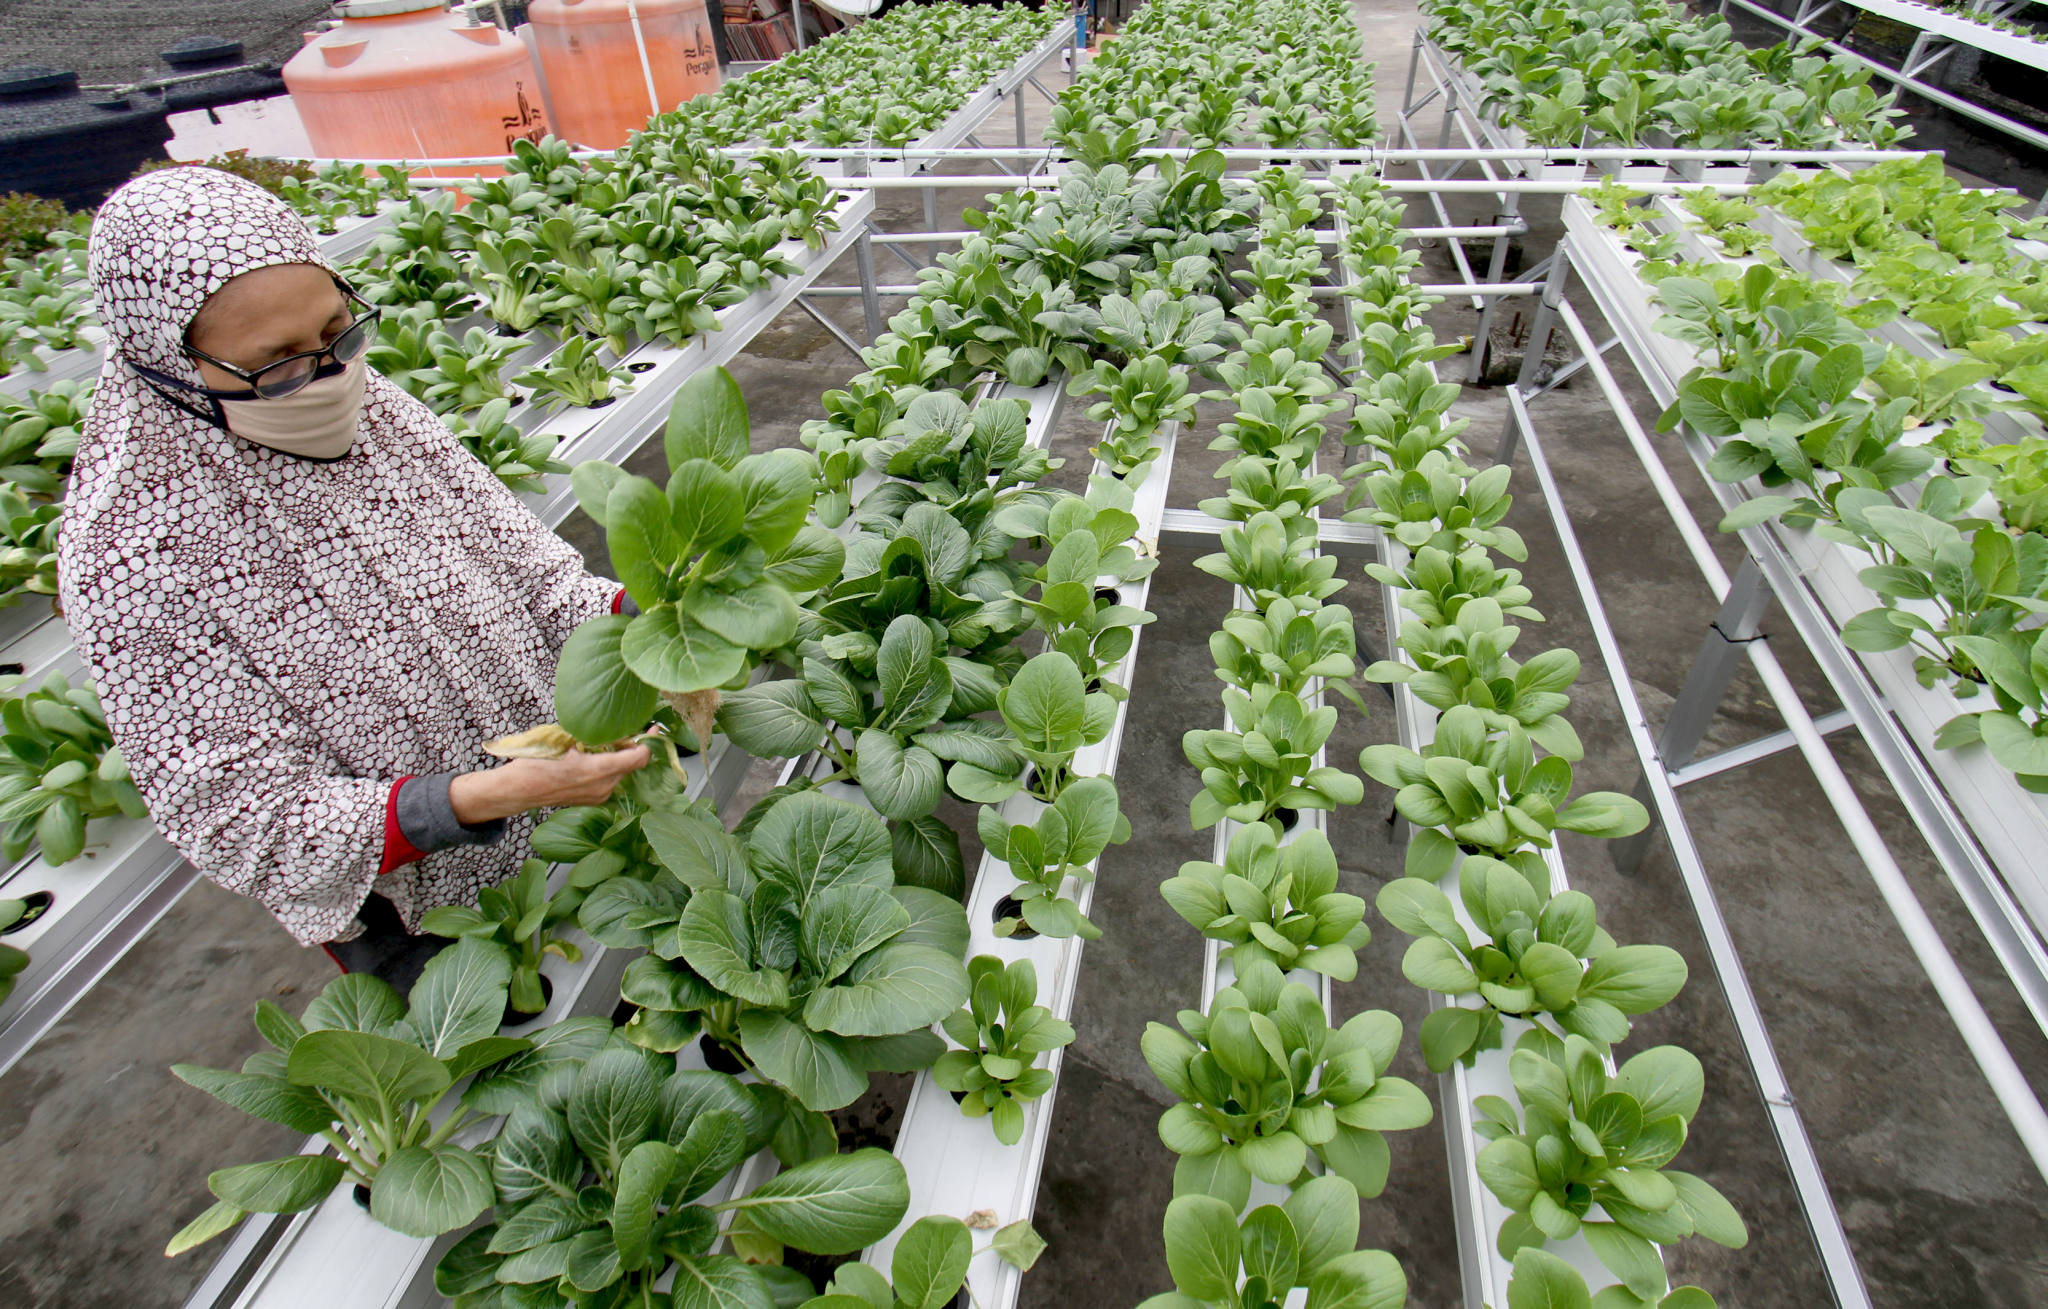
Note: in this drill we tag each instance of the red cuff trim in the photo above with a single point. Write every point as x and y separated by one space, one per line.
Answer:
398 851
619 600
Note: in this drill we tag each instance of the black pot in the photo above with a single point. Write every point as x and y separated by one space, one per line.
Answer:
1010 907
719 1059
547 995
1287 818
1109 595
361 1195
640 367
38 903
599 404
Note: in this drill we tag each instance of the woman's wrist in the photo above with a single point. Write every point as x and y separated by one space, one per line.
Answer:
481 797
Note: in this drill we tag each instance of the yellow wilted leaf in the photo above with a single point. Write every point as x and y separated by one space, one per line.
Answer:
548 741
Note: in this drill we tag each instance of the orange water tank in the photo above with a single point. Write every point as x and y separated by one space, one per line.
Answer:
613 64
406 79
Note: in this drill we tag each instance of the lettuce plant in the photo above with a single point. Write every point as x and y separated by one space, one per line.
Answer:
1273 903
1289 646
1490 793
855 419
1307 1241
367 1071
575 375
1066 838
464 375
1051 717
1587 1137
1243 1072
594 296
1080 617
59 769
600 1196
42 306
518 459
929 1267
1465 661
1529 953
1001 1032
39 435
1143 396
1273 560
1265 760
1275 484
793 948
1970 586
751 251
1437 584
906 712
521 917
1436 504
515 279
1541 1280
973 464
710 563
1401 415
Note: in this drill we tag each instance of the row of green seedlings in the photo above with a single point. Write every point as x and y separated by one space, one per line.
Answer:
1643 73
1581 1150
1267 1091
1796 393
59 771
883 82
1207 73
798 936
886 82
39 436
598 256
44 307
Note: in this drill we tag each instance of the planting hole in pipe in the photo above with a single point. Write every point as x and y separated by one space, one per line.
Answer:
1010 907
34 905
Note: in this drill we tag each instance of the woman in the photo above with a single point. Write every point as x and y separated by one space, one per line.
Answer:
306 605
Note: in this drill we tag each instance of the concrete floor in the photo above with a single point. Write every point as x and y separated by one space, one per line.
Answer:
103 1154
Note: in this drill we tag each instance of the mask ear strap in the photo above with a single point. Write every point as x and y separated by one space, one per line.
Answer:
161 384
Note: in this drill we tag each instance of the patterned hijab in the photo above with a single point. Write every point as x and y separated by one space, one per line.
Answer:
278 641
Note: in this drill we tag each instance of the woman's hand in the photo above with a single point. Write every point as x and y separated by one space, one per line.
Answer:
523 784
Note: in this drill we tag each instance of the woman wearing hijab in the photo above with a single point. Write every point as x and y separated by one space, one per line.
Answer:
305 604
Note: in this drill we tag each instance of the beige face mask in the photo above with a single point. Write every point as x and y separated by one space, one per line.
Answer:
318 421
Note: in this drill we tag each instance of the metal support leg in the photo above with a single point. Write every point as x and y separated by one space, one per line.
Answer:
1408 91
1496 269
1706 686
837 332
1017 97
870 297
931 209
1537 346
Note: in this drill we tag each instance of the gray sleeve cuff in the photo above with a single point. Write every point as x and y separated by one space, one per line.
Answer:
427 819
627 607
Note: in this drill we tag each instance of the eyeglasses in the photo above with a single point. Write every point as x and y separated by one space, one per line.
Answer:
274 381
